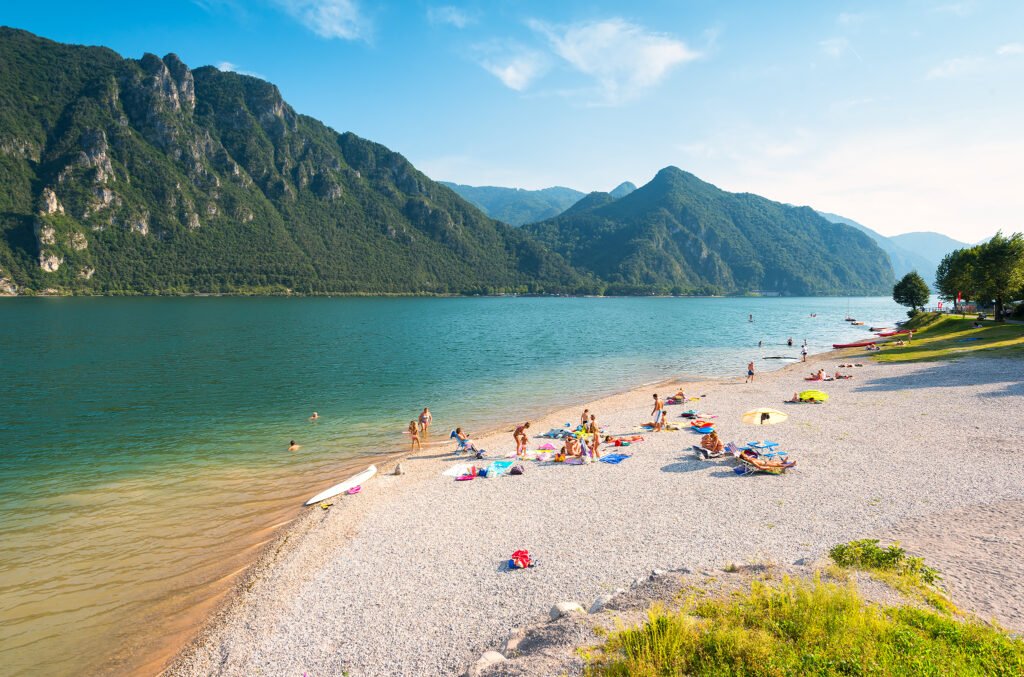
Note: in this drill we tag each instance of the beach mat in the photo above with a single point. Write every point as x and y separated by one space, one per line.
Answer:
457 470
614 459
498 468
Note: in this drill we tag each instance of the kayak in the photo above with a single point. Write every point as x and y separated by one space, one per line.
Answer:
858 344
896 332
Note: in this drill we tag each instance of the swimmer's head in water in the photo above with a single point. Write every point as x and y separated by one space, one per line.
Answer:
292 443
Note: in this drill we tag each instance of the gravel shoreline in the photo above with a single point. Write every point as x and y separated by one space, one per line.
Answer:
407 577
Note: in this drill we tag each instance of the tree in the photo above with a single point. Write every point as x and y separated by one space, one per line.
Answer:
955 276
911 291
1000 270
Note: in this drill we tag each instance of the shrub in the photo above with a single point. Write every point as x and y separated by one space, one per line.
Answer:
867 555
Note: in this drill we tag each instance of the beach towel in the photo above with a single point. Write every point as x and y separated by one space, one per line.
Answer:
498 468
614 459
575 460
546 447
457 470
464 478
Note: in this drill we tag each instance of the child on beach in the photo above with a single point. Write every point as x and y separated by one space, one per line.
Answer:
414 431
519 435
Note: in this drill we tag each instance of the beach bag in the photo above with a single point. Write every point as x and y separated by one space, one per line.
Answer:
517 469
520 560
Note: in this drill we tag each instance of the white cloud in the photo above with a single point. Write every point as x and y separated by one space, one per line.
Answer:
516 66
851 18
447 14
951 68
834 47
1011 49
329 18
956 8
623 58
229 67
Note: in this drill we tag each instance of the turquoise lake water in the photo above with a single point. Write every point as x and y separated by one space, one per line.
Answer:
144 440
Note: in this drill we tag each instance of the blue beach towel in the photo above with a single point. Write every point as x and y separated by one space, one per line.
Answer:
614 459
499 468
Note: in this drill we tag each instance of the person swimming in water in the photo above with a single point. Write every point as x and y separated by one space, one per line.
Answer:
293 447
314 417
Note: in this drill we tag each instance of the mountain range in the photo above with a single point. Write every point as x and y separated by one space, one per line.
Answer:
920 251
683 233
129 176
517 206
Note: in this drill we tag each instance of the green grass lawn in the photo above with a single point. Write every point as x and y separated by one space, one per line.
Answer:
813 627
938 337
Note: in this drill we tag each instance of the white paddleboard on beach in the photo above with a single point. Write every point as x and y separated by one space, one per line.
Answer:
353 481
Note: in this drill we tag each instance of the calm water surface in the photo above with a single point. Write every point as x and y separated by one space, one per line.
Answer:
143 441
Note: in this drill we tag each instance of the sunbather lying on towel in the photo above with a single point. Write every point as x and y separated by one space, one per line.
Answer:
617 441
711 442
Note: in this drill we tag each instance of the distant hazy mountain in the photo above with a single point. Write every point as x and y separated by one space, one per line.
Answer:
678 232
932 246
622 190
517 206
913 251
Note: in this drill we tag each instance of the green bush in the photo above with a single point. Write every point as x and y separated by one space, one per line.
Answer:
867 555
805 628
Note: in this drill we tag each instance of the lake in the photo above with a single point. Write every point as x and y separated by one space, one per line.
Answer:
144 440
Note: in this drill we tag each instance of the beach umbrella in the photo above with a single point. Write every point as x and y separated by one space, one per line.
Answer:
814 395
764 417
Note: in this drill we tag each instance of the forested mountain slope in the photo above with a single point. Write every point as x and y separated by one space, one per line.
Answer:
140 176
680 233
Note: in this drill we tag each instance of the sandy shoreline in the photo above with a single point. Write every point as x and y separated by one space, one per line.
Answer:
405 579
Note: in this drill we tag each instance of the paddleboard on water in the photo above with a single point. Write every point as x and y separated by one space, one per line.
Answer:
354 481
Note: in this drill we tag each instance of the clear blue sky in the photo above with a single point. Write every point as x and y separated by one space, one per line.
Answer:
902 115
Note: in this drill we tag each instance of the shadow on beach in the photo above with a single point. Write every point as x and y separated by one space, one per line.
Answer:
946 375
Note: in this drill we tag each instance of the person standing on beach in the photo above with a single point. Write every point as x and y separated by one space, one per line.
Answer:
519 435
585 419
595 435
750 372
803 353
414 431
658 412
425 418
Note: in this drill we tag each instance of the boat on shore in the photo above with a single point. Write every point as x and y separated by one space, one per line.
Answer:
896 332
351 483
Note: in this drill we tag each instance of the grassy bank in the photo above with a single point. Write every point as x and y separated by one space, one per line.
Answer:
938 337
816 627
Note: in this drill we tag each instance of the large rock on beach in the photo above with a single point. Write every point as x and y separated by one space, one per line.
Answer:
564 609
485 661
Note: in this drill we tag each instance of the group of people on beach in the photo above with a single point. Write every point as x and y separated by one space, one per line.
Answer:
419 427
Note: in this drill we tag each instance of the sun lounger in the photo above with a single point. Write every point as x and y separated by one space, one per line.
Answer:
752 462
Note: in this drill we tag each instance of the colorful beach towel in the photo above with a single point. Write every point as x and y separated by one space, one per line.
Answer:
614 459
498 468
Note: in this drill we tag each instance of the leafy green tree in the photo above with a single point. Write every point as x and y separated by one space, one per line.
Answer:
955 274
992 271
911 291
1000 270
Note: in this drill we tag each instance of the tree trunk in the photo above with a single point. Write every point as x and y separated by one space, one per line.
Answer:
999 309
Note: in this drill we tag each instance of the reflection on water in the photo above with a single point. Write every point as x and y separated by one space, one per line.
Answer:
143 440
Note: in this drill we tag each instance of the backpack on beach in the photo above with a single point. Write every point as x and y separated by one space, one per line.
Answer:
517 469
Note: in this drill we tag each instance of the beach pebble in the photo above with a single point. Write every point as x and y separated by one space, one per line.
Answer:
564 609
657 572
803 562
637 582
399 470
487 660
602 601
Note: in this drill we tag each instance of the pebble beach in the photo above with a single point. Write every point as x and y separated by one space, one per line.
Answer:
409 577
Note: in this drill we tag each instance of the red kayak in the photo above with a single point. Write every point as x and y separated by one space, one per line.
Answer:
858 344
896 332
